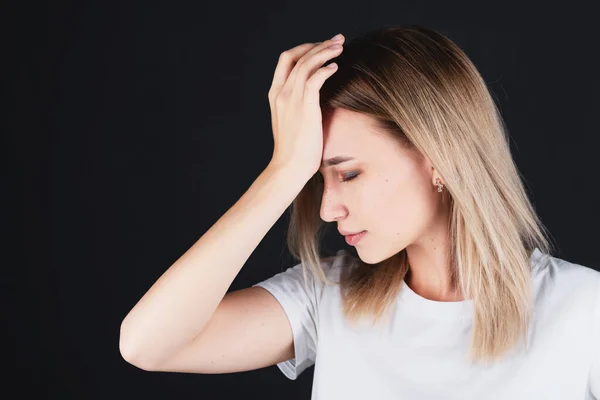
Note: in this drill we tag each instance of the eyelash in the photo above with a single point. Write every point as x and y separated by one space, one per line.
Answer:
346 178
351 177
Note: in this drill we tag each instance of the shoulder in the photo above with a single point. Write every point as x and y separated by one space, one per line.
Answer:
565 283
563 273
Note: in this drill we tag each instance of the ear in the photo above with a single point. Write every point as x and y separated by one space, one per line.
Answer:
435 176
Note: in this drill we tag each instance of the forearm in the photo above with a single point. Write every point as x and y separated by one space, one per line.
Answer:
181 302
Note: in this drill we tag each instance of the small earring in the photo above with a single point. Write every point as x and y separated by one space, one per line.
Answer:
439 185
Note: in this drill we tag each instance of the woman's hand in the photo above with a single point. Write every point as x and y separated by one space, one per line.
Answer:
296 116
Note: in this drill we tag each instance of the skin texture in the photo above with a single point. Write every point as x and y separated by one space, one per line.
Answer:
393 196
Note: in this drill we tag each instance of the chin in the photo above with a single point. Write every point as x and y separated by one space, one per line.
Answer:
369 257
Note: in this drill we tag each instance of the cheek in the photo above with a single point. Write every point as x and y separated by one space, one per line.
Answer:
404 206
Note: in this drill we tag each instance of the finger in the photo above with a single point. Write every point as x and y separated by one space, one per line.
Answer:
287 61
292 81
309 68
315 83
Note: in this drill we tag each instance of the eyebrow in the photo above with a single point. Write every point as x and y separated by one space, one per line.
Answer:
335 161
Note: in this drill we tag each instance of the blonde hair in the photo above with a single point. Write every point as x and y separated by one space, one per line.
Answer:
423 90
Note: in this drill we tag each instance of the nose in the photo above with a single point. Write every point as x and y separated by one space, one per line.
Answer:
331 208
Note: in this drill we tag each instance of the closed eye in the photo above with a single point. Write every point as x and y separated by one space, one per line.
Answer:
349 177
345 178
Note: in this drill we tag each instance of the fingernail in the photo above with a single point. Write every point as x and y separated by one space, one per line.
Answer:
337 37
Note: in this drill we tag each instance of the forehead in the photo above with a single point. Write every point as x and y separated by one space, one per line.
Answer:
351 134
348 133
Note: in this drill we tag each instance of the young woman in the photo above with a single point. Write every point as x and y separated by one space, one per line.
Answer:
454 294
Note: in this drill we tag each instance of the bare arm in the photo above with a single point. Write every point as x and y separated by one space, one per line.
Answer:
169 327
182 301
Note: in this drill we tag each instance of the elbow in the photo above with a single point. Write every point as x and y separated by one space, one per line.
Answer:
130 354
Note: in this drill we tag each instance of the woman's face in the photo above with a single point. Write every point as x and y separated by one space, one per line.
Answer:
390 191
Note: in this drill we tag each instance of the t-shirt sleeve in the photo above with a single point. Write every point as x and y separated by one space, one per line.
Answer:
594 378
300 303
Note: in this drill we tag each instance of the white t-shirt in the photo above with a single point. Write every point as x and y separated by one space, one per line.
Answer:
422 352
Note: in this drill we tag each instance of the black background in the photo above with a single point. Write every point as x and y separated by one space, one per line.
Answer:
131 127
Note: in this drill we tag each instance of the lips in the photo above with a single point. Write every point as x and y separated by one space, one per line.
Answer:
347 233
352 240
